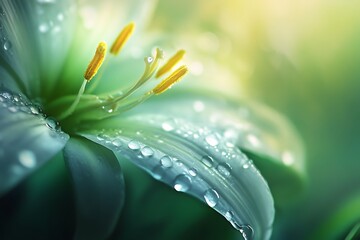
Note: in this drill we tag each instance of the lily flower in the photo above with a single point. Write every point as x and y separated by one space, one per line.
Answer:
65 95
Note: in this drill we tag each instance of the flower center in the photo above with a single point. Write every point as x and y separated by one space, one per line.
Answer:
87 107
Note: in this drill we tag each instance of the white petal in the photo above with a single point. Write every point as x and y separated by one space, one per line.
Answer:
194 159
27 139
35 37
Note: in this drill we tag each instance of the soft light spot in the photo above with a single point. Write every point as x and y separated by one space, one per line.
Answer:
253 140
287 158
27 158
199 106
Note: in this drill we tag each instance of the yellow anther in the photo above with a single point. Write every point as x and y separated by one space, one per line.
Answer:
170 80
170 63
122 38
96 62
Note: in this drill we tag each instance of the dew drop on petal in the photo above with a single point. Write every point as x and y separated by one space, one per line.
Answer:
212 140
27 159
12 109
224 169
229 215
166 162
7 45
149 59
246 166
52 123
193 172
147 151
157 172
182 183
133 145
116 142
211 197
207 161
168 126
247 232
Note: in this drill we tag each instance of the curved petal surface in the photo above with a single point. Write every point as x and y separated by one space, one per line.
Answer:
27 139
272 142
194 159
36 36
99 188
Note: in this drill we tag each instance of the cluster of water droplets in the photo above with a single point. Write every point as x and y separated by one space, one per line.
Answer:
185 172
50 18
20 108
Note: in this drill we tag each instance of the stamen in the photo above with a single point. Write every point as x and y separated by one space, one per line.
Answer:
122 38
170 63
96 62
170 80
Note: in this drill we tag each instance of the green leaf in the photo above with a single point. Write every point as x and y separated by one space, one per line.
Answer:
98 186
343 221
27 139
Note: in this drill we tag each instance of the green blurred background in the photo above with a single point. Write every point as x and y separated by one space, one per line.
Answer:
301 58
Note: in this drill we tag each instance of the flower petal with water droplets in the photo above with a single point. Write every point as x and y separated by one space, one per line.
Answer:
194 159
98 185
268 137
27 139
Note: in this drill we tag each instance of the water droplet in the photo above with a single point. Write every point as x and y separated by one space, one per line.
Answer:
168 126
149 59
182 183
157 172
52 123
211 197
166 162
224 169
27 159
229 215
193 172
246 231
133 145
12 109
7 45
246 166
34 110
44 27
116 142
207 161
147 151
212 140
199 106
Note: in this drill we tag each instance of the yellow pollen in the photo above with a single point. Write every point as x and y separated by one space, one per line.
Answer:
96 62
170 80
170 63
121 39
